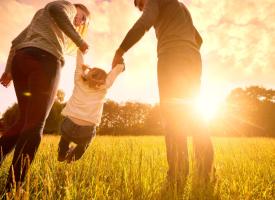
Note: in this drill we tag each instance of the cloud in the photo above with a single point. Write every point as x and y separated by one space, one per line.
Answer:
14 18
238 40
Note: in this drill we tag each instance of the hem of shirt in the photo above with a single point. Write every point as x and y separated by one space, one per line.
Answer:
96 123
58 55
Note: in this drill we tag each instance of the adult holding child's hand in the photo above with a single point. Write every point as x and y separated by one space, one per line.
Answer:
34 63
118 58
84 47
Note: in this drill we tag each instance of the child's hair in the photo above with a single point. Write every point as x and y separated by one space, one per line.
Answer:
94 77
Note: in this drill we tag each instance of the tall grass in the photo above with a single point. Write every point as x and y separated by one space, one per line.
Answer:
135 168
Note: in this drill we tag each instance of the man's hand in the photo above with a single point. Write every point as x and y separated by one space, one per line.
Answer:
84 47
118 58
6 79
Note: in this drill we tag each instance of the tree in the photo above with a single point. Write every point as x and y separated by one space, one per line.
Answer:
52 122
153 123
246 112
55 118
123 119
250 111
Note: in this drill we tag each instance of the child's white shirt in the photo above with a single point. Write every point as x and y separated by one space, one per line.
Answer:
86 104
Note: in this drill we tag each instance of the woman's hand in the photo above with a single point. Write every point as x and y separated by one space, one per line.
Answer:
84 47
6 79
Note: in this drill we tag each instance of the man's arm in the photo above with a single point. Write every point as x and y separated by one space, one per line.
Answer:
58 13
143 24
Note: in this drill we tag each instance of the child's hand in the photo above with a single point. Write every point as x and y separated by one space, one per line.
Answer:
84 67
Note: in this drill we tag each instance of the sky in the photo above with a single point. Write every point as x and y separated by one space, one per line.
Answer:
238 48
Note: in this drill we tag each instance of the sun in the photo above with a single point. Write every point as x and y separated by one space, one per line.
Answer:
207 106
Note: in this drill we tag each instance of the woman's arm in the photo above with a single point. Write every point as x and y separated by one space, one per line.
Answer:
9 60
15 42
6 77
59 14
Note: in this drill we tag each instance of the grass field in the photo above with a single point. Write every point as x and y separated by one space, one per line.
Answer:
135 168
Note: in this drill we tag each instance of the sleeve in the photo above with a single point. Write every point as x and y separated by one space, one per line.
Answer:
113 74
9 60
143 24
78 70
15 42
59 14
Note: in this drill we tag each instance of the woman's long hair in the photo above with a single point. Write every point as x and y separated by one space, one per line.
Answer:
70 47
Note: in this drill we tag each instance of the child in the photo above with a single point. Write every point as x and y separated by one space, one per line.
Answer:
83 110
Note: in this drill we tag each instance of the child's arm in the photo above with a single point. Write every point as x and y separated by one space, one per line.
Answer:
113 75
79 64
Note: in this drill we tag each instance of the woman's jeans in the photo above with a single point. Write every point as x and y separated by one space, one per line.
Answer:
35 75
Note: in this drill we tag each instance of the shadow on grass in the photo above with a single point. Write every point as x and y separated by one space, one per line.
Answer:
193 187
204 188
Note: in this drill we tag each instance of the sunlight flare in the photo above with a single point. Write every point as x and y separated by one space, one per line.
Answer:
207 106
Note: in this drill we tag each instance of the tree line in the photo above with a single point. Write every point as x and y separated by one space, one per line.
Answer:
245 112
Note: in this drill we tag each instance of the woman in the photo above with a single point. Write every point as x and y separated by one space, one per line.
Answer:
34 63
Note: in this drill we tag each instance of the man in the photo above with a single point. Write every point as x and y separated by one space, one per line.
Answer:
179 71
